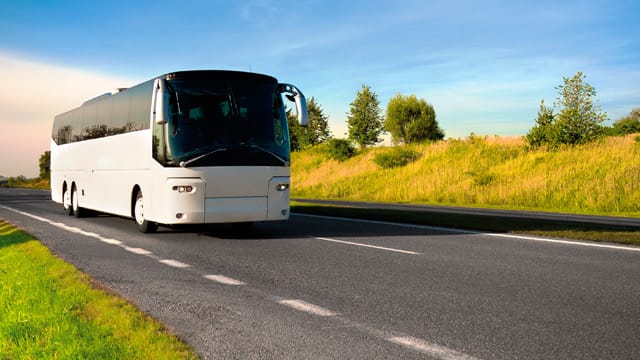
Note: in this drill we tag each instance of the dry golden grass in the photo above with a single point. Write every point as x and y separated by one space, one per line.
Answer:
499 172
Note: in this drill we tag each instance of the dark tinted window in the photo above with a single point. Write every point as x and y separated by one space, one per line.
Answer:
140 108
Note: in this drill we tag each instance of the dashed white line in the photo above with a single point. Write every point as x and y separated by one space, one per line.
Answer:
366 245
430 349
111 241
224 280
174 263
306 307
139 251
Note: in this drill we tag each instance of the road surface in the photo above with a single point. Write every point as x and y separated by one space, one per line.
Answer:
323 288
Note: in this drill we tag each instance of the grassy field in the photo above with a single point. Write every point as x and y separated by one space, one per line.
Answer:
492 172
49 310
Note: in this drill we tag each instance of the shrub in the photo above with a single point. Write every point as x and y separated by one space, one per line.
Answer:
340 149
395 157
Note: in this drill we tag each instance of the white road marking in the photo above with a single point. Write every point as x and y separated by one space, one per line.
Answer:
366 245
566 242
306 307
471 232
224 280
434 350
111 241
139 251
174 263
378 222
415 344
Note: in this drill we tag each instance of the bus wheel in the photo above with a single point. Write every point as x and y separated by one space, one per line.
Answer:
75 208
143 225
66 202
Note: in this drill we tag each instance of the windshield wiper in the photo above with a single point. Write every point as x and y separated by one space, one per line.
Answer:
185 163
258 147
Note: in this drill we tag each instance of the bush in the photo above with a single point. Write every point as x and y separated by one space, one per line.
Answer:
395 157
340 149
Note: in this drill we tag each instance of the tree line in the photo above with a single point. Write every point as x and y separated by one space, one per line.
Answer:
575 118
408 120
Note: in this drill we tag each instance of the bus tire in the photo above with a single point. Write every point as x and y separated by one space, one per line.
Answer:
75 204
66 201
144 226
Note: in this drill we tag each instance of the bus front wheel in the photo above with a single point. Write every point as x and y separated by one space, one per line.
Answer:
144 225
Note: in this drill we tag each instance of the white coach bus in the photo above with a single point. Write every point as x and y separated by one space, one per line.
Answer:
188 147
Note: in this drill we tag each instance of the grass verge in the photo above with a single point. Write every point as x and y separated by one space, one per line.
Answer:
627 235
50 310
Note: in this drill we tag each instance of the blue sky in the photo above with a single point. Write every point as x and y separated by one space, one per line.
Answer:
484 65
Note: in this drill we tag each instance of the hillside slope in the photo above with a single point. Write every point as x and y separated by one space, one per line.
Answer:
495 172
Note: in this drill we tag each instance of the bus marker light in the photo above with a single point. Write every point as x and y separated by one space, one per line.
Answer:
282 187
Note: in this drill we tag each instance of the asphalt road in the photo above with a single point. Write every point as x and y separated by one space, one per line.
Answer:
322 288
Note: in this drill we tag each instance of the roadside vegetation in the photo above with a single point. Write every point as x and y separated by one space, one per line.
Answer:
601 177
49 310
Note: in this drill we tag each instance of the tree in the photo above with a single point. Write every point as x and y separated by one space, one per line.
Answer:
295 130
543 132
45 165
364 120
410 119
316 132
627 125
579 120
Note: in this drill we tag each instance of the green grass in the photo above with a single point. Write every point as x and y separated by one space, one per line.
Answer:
558 229
49 310
601 178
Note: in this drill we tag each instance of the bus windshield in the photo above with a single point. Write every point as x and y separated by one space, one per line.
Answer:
226 123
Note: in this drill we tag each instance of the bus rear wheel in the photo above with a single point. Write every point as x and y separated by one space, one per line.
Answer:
144 225
66 202
76 210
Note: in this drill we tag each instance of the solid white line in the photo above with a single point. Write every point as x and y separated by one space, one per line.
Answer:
308 308
471 232
224 280
174 263
367 245
139 251
428 348
566 242
378 222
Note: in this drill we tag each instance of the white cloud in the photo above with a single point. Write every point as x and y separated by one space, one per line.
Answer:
31 94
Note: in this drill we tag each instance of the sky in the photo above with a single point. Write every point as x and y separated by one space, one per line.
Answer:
483 65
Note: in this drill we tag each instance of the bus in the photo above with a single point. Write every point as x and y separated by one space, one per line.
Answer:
188 147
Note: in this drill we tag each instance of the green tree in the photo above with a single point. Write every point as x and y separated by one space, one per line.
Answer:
295 130
543 132
364 119
45 165
316 132
410 119
578 121
580 117
627 125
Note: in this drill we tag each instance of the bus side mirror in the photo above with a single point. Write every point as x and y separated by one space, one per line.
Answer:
160 102
294 94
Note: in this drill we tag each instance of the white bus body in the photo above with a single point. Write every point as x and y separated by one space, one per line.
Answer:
185 148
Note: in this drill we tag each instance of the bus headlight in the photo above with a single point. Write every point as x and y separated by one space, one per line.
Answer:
183 188
282 187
